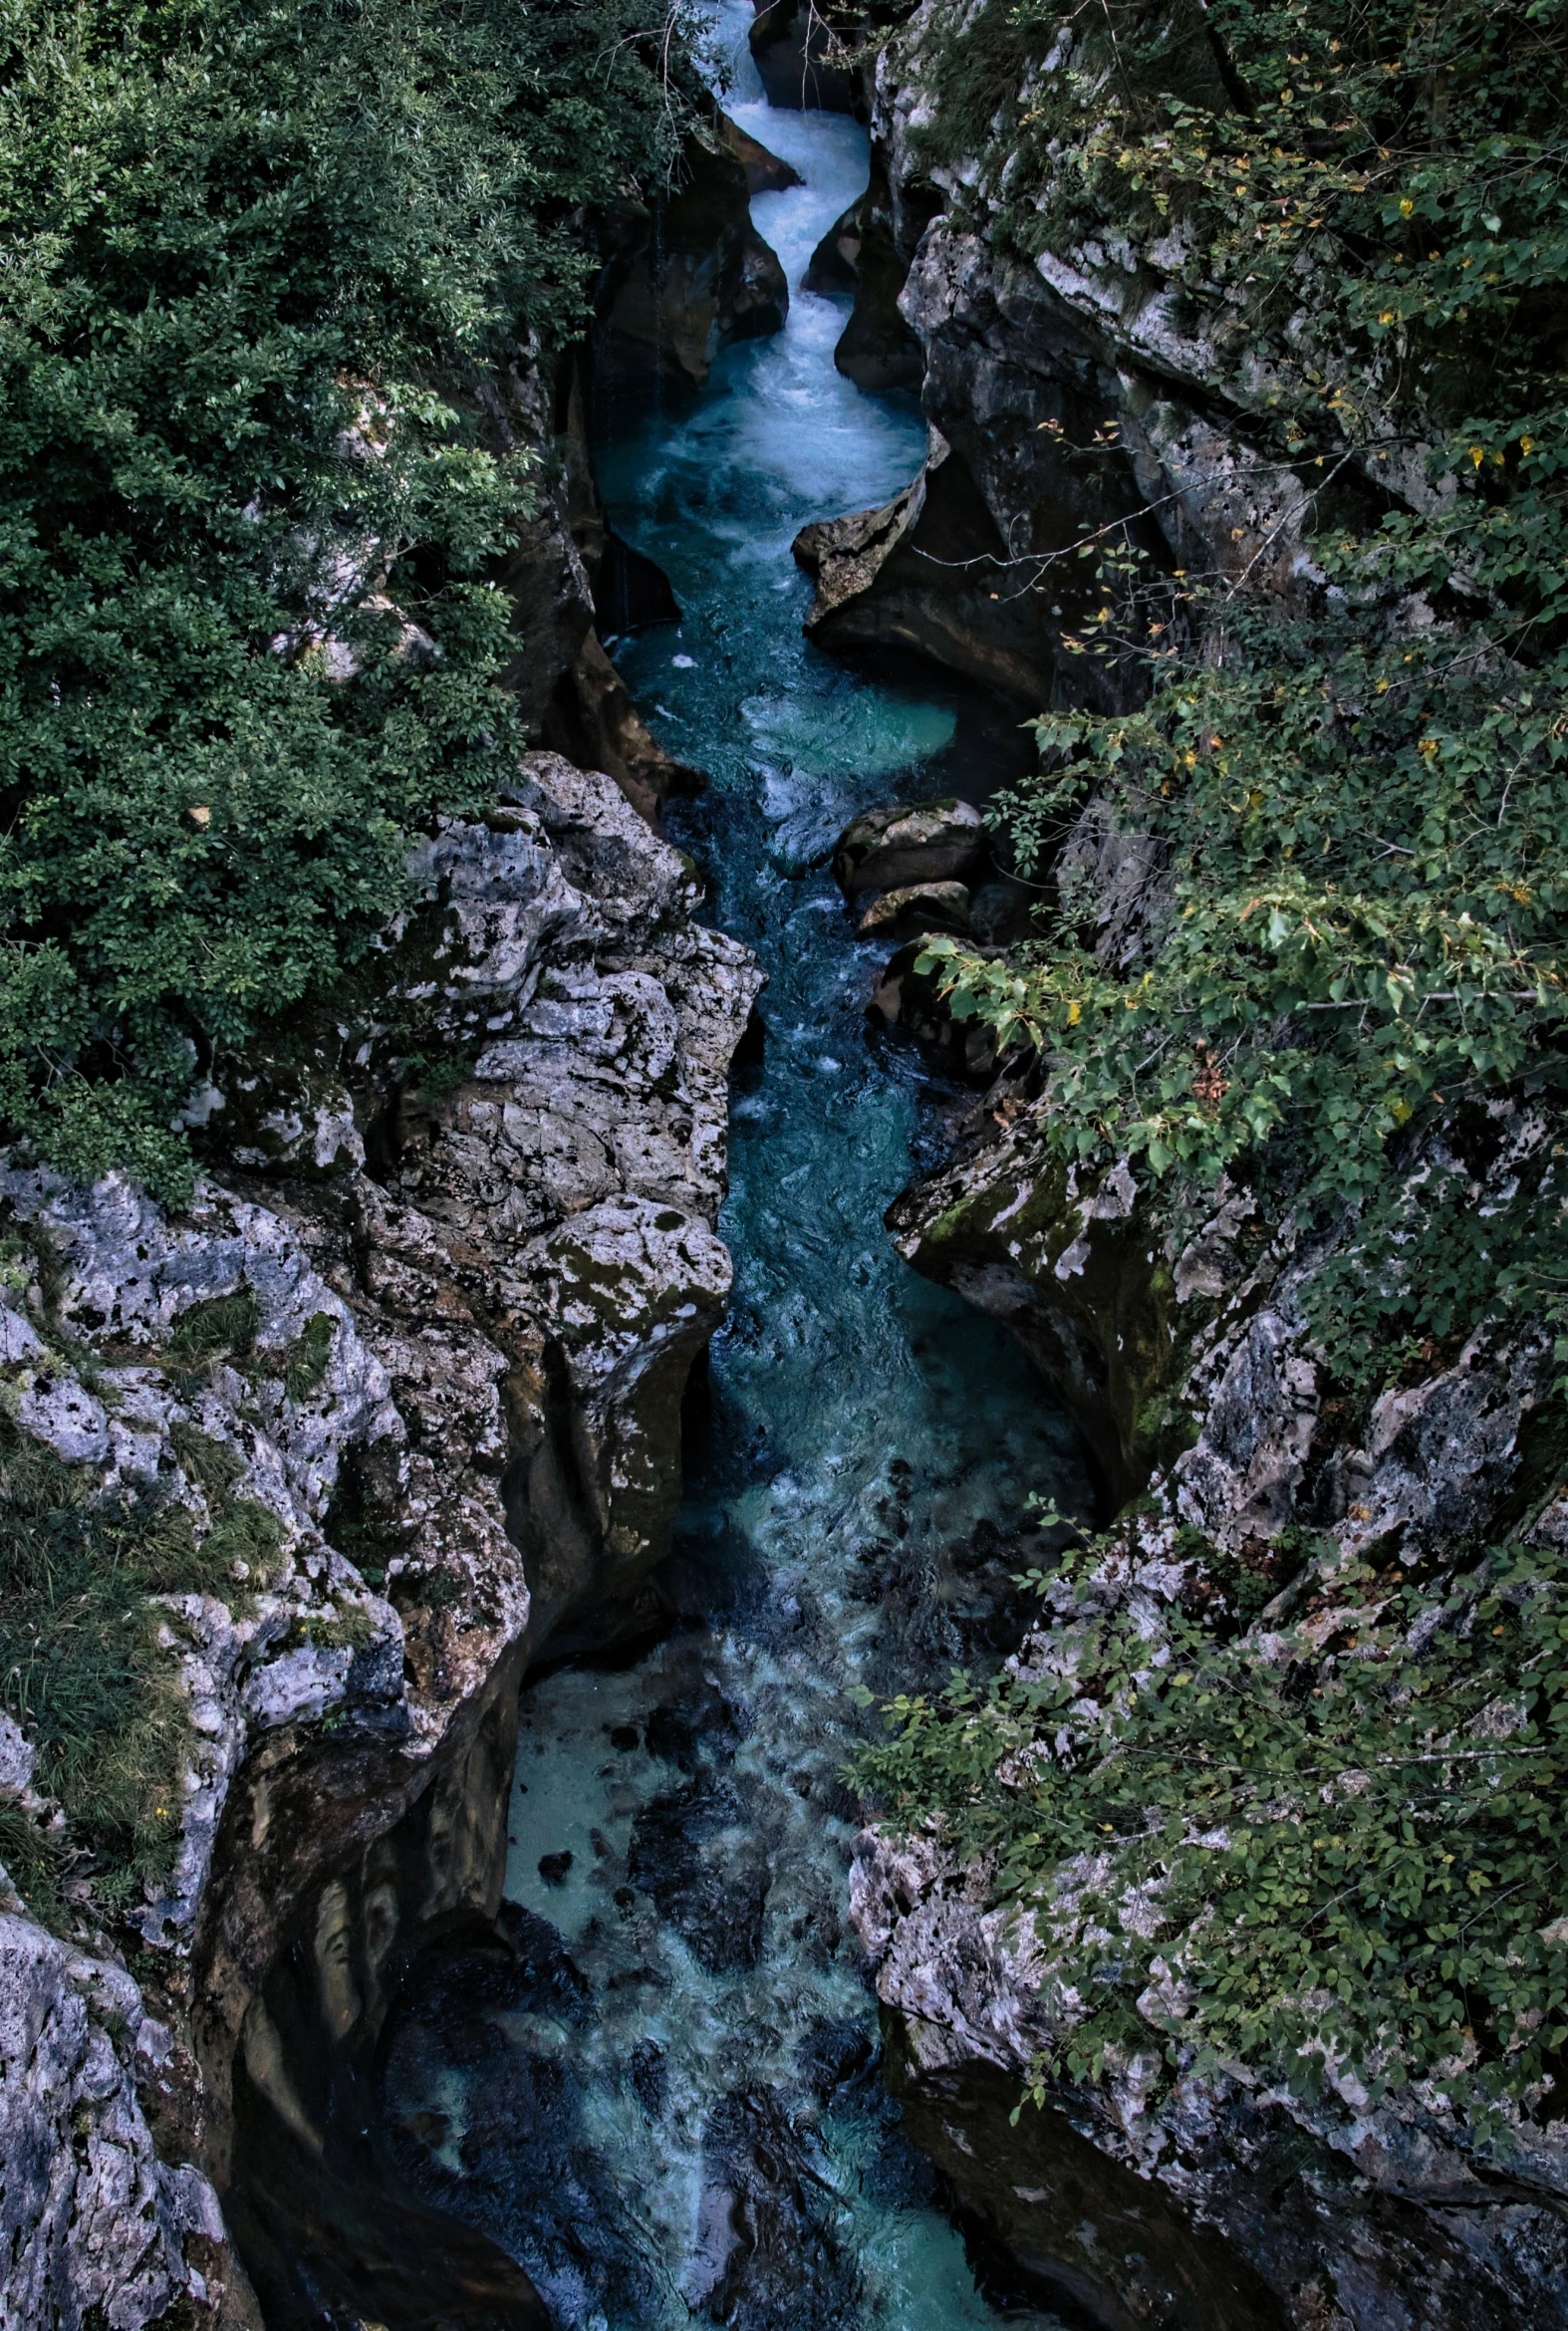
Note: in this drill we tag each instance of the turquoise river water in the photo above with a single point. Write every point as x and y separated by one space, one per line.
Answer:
673 2113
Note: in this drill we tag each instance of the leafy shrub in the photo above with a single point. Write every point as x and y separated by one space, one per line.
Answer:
1305 1863
267 268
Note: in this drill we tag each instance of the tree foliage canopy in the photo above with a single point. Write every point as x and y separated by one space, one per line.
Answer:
256 259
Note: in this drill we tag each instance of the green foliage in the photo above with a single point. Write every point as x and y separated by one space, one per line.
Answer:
1343 1852
81 1668
306 1361
266 267
1337 1847
1366 859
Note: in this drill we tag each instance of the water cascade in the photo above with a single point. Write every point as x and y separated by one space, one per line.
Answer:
666 2106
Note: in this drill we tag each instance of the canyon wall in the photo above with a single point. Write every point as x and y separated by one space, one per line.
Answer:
1191 1363
423 1337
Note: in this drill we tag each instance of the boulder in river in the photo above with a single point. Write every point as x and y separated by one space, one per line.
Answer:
792 49
860 255
900 845
914 908
835 263
766 172
910 1001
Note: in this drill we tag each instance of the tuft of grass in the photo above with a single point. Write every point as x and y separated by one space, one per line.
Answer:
81 1665
306 1361
208 1334
212 1464
35 1860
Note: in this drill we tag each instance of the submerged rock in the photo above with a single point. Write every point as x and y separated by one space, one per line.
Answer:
516 2159
697 1854
769 2257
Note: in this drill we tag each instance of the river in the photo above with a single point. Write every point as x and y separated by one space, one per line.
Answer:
669 2109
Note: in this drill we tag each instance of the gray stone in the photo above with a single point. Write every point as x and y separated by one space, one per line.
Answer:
92 2223
898 847
918 906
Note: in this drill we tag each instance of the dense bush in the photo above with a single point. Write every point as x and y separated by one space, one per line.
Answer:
256 258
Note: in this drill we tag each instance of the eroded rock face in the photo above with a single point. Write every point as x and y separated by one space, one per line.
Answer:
1193 1364
1085 395
1195 1355
1233 2203
793 50
1190 1359
93 2225
686 281
456 1394
565 573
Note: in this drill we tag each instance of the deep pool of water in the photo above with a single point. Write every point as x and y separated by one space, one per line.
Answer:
666 2106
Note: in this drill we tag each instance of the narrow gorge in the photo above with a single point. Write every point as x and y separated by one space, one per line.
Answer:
725 1554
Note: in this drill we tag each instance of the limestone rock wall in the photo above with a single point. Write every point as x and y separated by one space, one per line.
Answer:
1088 394
501 1287
1189 1360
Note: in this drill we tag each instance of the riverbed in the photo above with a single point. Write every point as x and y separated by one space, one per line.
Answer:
668 2107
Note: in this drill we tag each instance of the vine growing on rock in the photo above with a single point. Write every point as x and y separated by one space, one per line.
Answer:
269 274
